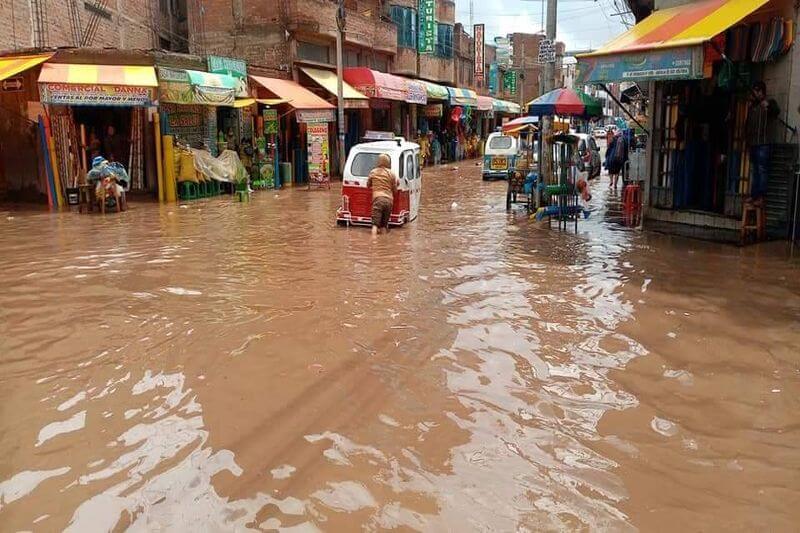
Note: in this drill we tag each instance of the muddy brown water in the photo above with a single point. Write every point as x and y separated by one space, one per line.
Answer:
225 366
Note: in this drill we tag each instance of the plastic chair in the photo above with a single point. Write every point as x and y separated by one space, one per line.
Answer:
188 190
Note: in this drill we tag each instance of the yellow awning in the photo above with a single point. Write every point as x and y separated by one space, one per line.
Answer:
687 25
329 82
243 102
271 101
128 75
11 66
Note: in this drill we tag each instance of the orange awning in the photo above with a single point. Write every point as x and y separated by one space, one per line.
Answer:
297 96
127 75
11 66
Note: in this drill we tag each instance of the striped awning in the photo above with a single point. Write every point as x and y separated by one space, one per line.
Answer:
11 66
504 106
666 45
434 91
462 97
125 75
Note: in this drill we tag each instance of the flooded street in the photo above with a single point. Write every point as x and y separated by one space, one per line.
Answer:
223 366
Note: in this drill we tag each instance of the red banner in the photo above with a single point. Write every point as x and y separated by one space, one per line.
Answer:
480 48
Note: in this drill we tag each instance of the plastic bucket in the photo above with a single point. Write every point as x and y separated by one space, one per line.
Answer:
72 196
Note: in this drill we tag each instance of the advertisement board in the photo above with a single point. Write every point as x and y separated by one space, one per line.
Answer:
480 49
318 160
107 95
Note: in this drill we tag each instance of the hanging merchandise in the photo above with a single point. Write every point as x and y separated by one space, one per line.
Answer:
788 35
456 114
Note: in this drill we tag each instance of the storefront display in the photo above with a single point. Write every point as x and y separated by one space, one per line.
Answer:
318 157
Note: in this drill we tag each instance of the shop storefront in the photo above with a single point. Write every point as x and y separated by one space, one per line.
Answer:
416 98
463 104
387 96
100 110
356 107
304 125
700 73
484 116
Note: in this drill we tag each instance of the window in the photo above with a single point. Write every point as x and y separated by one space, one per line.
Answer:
313 52
500 142
409 165
380 63
406 20
444 40
363 164
350 58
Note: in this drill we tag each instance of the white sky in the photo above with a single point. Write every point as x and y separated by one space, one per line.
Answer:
582 24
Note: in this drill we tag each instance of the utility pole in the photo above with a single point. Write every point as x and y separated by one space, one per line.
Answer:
549 82
340 23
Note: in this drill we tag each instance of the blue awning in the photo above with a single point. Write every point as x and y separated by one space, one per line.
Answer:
462 97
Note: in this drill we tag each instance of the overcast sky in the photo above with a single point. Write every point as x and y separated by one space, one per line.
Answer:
582 24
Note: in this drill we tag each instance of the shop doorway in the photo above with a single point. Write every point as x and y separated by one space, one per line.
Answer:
118 134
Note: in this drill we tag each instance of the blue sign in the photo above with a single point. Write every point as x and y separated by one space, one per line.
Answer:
671 64
494 74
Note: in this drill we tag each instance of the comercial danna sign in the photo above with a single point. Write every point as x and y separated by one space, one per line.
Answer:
108 95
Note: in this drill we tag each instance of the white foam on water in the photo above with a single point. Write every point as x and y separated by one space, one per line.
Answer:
74 423
180 291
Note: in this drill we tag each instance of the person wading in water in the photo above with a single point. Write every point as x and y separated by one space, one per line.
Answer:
383 183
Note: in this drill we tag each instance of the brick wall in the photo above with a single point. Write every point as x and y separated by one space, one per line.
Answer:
446 12
125 24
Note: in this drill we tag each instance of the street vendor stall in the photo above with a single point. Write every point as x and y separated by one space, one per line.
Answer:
558 185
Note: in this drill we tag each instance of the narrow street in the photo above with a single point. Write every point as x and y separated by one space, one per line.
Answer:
224 366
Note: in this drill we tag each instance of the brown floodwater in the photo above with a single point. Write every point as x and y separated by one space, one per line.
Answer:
224 366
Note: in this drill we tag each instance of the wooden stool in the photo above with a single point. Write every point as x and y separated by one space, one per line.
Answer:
86 198
754 223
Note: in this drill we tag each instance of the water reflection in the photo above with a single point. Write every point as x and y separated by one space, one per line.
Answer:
225 366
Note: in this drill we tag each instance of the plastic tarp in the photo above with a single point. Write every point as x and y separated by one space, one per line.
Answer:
226 167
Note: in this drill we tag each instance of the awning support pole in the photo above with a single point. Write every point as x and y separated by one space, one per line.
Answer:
603 86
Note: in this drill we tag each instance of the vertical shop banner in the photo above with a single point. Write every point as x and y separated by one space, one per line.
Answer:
317 145
427 26
494 72
480 49
270 121
232 67
510 82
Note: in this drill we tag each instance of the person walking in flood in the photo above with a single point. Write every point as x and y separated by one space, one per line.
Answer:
384 185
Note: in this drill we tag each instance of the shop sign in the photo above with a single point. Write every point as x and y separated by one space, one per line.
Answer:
510 82
672 64
313 116
416 93
433 110
480 47
232 67
547 51
186 122
108 95
317 147
503 53
270 121
379 104
427 26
